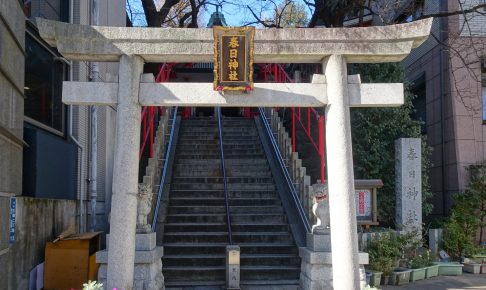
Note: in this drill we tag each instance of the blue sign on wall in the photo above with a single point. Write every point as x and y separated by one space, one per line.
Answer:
13 215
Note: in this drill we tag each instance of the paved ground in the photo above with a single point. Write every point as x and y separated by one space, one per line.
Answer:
465 281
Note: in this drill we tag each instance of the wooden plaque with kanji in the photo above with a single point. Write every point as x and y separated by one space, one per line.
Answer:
233 58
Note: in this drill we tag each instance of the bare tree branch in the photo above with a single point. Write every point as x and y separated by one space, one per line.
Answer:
475 9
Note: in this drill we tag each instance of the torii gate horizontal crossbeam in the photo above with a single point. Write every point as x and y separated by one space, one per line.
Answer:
298 45
264 95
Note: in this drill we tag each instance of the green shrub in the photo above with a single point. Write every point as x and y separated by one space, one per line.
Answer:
466 221
384 252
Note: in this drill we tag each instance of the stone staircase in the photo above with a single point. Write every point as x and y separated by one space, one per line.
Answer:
196 231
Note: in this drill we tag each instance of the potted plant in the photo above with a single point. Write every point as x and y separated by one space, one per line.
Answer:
384 253
418 265
432 270
400 276
374 277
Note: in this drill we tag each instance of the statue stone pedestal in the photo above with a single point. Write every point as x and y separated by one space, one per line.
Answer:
316 267
148 263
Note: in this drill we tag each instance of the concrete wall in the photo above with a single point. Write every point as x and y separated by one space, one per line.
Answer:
12 47
37 221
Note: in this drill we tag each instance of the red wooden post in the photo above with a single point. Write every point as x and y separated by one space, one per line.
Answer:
321 146
293 130
187 112
151 128
308 121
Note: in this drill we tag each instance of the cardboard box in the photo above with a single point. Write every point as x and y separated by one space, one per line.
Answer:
71 262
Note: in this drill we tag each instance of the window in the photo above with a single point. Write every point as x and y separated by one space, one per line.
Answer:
44 73
50 9
420 103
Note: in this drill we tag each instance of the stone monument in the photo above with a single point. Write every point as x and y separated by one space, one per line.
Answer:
408 174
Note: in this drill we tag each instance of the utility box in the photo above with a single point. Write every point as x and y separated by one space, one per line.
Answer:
71 261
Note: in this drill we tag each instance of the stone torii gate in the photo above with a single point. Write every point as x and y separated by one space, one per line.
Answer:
333 47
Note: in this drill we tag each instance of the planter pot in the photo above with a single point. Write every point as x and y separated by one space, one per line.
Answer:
449 268
417 274
375 278
384 280
473 268
368 278
479 259
432 271
400 276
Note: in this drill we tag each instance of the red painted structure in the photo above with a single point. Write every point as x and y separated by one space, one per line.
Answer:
268 72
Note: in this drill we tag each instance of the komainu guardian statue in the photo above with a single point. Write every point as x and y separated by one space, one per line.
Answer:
144 206
320 208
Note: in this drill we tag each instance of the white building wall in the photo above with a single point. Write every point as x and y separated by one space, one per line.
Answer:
111 13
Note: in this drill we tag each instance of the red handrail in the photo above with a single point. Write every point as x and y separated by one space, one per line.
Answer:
150 114
281 76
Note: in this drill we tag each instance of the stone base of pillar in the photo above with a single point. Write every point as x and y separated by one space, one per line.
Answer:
316 267
148 263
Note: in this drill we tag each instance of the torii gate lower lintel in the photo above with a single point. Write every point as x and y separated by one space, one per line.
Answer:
334 48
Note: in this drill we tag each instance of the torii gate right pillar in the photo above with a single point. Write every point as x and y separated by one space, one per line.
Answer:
344 239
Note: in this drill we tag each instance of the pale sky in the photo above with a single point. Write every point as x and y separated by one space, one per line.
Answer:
233 10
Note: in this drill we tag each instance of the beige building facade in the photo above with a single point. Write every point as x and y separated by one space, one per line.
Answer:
449 78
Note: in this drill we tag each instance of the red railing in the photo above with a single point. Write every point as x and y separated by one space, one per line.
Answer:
152 114
281 76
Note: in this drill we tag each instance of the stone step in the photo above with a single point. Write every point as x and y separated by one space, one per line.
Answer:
173 210
197 201
194 260
227 147
196 218
220 248
226 129
220 186
228 162
215 142
198 237
220 193
194 248
220 201
176 274
216 171
273 273
220 227
237 218
229 180
202 285
240 238
200 155
269 260
214 209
